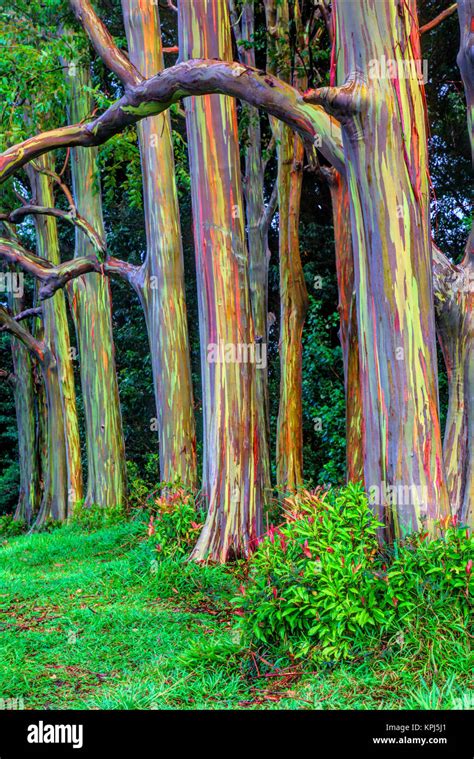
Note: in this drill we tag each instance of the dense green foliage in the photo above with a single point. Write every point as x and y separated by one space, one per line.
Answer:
318 585
116 624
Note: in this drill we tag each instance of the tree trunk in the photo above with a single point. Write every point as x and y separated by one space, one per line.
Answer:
383 127
348 324
293 293
293 307
24 394
56 333
91 307
454 302
160 284
54 502
258 219
232 476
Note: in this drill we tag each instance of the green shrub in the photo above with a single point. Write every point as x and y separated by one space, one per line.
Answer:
429 578
310 583
10 527
138 489
175 522
96 517
143 484
318 586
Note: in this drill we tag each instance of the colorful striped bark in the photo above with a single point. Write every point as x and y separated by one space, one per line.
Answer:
24 394
91 306
232 475
293 293
348 324
258 219
293 307
160 282
59 371
454 301
54 502
384 136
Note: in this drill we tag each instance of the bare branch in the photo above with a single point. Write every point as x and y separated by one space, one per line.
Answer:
343 101
104 44
71 216
438 19
35 347
51 277
132 274
29 312
57 178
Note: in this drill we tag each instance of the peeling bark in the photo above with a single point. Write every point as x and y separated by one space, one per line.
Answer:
24 394
258 218
293 293
54 502
383 128
91 307
58 372
454 302
160 283
232 476
348 324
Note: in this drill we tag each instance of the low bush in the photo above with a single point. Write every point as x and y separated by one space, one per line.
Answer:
175 522
10 527
96 517
318 586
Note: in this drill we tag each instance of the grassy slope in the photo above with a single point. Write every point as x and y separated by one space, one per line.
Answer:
90 621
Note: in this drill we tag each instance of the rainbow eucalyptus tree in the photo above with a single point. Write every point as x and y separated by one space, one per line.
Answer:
348 335
159 282
384 135
382 125
258 217
454 302
54 501
52 452
232 476
91 307
293 293
22 381
59 372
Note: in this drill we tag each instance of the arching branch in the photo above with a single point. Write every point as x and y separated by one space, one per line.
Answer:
104 45
28 313
195 77
71 216
438 19
51 277
35 347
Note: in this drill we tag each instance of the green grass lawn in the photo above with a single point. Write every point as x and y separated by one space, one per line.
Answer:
89 620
